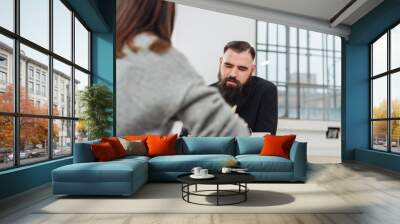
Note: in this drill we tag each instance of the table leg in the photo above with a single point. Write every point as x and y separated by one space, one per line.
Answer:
188 190
217 194
245 193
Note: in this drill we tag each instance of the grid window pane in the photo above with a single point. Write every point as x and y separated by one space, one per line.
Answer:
272 33
34 21
62 29
6 74
395 136
338 71
62 89
317 74
33 140
312 103
395 95
302 38
281 69
379 97
62 138
262 64
379 56
293 36
7 14
315 40
282 101
262 32
6 142
81 82
292 100
34 69
333 104
395 47
282 35
272 66
379 135
81 45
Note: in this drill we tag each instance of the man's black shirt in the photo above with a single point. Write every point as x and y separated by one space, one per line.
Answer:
258 105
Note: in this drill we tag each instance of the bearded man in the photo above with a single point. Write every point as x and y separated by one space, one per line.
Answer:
254 99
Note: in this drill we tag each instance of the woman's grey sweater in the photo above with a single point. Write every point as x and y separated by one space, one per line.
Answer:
153 90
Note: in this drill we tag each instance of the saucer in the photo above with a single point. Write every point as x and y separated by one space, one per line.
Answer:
208 176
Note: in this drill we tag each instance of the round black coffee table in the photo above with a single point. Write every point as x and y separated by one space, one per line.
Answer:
238 179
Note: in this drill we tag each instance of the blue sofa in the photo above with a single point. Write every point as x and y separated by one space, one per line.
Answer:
125 176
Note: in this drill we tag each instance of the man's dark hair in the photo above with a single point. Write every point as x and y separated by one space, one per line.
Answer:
239 47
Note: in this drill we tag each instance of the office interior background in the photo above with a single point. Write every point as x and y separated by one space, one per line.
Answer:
304 65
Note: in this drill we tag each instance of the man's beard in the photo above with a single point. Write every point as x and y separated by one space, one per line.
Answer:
229 93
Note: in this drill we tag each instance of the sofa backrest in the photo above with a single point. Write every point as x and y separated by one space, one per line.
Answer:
83 152
206 145
249 145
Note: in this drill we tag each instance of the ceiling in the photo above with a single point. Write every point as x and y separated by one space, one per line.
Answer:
320 9
328 16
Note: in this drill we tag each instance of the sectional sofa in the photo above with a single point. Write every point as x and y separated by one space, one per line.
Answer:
125 176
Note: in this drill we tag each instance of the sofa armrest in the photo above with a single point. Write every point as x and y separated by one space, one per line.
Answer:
298 155
83 152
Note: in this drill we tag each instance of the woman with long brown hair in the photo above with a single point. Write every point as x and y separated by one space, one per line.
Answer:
156 84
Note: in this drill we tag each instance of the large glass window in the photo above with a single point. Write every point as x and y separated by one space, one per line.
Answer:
40 124
306 68
385 97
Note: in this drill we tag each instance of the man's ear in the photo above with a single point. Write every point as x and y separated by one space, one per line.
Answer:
220 60
253 67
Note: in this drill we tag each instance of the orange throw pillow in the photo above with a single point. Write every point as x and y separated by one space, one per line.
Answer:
277 145
161 145
103 152
116 145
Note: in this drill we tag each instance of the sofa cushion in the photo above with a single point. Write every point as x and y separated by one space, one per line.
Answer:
111 171
161 145
135 147
257 163
185 163
103 152
206 145
116 145
249 145
277 145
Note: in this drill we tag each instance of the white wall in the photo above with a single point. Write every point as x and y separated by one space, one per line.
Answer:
201 35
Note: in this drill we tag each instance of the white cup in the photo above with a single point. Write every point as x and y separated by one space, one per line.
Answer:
203 172
226 170
196 171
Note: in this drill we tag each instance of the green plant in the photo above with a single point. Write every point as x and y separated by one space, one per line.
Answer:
96 103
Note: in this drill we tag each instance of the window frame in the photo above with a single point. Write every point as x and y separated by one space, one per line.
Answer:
16 114
296 36
388 74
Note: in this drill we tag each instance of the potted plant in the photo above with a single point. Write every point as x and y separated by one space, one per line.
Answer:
96 102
